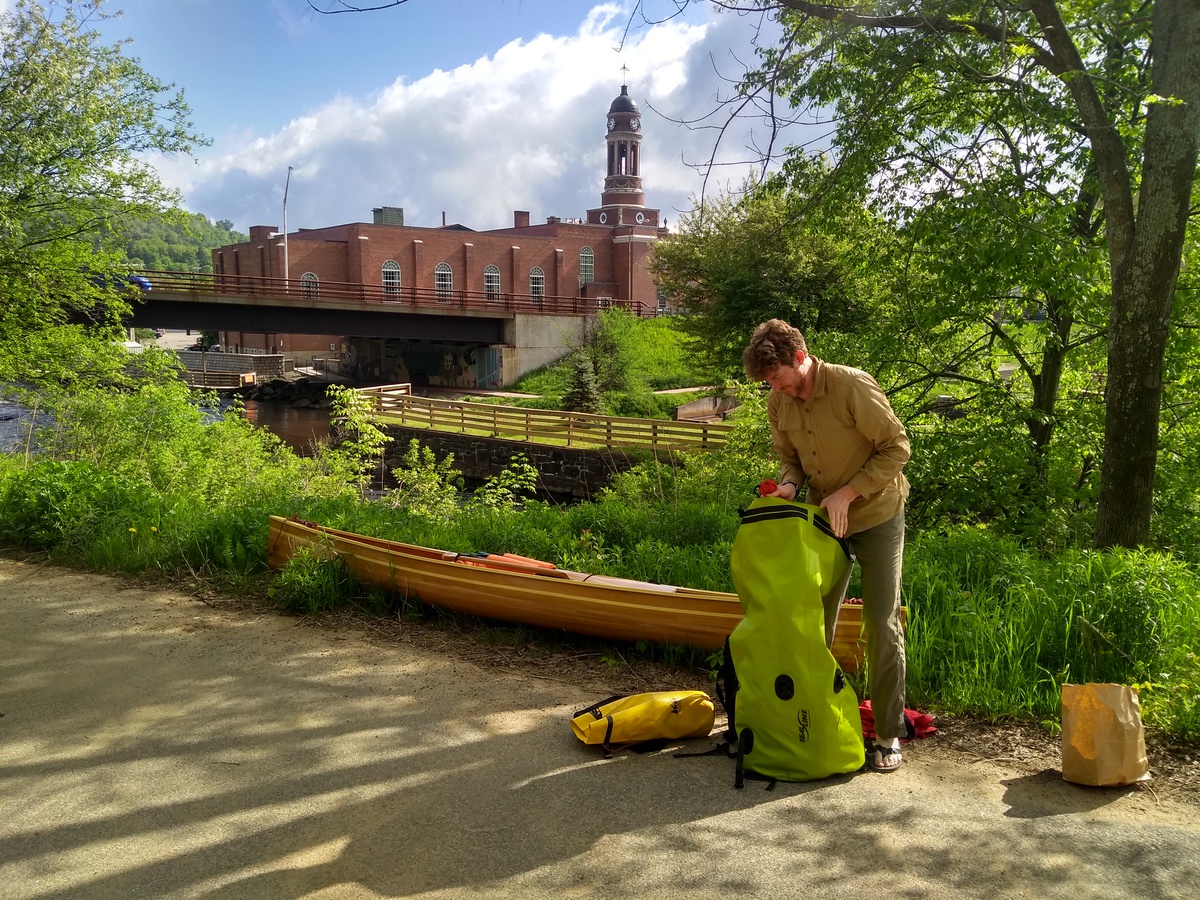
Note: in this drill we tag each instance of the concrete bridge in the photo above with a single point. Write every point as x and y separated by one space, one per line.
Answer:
533 329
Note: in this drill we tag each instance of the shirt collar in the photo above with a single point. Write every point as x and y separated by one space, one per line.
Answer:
818 379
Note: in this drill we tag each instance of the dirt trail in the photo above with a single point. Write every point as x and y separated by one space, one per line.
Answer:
155 746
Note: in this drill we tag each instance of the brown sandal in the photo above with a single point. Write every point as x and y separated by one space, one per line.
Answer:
886 759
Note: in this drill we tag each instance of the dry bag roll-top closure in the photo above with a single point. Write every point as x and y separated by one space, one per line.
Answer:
793 715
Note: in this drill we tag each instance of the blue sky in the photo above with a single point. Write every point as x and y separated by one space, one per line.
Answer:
472 108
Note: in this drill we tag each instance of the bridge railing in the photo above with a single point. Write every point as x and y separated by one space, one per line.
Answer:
312 293
396 403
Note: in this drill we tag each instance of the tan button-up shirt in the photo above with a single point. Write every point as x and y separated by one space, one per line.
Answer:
845 434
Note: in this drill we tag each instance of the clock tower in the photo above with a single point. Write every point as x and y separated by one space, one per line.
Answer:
623 201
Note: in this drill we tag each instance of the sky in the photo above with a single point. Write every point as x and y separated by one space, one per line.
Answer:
469 109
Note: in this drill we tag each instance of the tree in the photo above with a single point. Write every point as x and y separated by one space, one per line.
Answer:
583 394
740 260
76 121
176 241
1100 102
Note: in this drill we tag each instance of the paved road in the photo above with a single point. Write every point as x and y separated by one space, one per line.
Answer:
155 747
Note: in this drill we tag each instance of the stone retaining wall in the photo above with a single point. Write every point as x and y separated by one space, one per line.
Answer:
561 470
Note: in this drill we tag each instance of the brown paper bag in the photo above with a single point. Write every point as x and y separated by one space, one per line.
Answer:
1102 738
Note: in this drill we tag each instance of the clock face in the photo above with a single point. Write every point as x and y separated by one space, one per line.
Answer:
635 122
612 123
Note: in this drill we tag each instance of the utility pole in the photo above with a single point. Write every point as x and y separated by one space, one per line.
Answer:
286 185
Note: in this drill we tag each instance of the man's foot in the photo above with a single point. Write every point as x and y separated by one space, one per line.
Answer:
886 758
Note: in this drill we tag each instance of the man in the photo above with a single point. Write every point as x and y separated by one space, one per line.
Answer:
835 432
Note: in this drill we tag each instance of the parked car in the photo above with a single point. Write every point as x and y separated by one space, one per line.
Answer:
121 282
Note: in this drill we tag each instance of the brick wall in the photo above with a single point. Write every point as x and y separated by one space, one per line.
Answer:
356 253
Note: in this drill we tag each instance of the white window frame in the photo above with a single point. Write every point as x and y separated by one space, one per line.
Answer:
537 284
587 265
491 283
310 286
443 281
391 278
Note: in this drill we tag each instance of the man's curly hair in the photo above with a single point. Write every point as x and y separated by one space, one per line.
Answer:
774 343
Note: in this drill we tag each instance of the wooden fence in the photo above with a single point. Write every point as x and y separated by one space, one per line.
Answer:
396 403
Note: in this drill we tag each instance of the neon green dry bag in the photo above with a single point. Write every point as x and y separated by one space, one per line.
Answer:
795 716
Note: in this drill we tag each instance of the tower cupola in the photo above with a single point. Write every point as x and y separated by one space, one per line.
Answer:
623 182
623 202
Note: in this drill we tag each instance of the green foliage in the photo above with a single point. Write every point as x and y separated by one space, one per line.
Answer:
424 486
356 431
61 503
177 241
311 584
140 481
742 259
995 627
143 479
517 481
583 391
78 123
1008 152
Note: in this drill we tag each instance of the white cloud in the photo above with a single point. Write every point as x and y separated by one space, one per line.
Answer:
522 128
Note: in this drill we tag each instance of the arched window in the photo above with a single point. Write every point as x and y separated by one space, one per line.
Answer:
537 283
391 278
491 283
587 265
310 286
443 281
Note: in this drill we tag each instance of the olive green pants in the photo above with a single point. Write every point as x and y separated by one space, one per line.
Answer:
880 554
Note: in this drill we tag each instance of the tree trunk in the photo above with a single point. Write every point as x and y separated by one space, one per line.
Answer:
1144 281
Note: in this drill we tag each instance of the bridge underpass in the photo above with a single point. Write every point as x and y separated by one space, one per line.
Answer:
161 311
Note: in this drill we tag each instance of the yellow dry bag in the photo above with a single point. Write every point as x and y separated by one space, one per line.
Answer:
619 721
794 715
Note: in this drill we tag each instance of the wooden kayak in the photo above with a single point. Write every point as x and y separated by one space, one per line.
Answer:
518 589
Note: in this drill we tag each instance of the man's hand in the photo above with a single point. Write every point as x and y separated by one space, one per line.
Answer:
785 491
837 505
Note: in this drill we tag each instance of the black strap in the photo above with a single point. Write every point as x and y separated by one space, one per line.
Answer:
594 709
727 688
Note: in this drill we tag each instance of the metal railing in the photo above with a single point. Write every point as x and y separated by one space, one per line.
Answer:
395 403
392 297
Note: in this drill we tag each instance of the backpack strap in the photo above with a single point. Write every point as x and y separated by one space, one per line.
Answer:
594 709
726 689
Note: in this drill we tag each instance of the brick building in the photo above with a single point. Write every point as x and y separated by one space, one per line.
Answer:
604 254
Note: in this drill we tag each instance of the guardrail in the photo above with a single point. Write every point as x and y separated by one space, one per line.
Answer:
396 403
310 293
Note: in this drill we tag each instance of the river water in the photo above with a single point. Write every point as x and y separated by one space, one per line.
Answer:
298 428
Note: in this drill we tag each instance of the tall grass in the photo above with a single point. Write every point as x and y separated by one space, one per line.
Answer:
996 629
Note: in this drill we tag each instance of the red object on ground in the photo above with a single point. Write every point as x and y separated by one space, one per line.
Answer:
918 724
767 487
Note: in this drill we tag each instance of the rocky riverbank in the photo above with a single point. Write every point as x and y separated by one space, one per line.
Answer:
298 393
